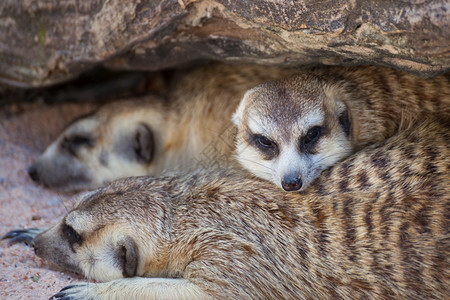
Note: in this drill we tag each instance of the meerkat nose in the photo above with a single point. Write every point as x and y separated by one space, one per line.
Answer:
291 183
33 173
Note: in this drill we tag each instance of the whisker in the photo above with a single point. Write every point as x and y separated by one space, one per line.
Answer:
61 200
257 163
327 157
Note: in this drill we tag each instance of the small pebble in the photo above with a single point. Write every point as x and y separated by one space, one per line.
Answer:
36 217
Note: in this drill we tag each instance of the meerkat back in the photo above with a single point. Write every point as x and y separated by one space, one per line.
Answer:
376 226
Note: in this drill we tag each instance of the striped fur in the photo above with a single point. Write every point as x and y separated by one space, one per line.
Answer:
374 226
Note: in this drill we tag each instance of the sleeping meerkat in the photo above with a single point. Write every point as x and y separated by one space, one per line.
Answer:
376 227
290 130
151 135
118 139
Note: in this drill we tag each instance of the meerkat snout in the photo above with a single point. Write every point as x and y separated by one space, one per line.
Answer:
118 140
291 130
33 173
291 182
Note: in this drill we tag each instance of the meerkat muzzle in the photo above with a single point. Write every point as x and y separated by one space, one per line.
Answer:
291 182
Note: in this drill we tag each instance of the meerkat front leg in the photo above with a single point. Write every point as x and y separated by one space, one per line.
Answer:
134 288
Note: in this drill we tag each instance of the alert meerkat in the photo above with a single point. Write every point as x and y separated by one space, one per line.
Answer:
187 127
290 130
376 226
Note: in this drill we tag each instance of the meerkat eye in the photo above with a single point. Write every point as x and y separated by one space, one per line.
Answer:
313 134
71 235
72 143
80 140
264 142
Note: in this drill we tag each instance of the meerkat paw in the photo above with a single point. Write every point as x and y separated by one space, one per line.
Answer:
24 236
77 291
133 288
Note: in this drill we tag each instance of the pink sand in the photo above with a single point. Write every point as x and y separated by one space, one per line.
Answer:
23 204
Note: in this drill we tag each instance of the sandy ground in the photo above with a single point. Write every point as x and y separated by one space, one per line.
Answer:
24 134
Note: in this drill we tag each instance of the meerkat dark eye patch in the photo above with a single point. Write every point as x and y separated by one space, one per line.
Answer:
268 147
143 143
127 257
74 142
344 122
309 140
312 135
263 142
71 235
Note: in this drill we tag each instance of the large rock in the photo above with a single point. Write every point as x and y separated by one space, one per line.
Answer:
47 41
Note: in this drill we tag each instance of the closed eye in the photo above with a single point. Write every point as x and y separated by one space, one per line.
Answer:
71 235
74 142
80 140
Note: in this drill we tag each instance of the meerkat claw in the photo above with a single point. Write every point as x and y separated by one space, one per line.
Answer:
72 292
24 236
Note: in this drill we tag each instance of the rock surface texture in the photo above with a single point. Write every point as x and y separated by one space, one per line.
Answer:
48 41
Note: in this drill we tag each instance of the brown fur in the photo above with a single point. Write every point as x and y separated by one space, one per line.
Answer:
204 98
380 99
375 225
190 125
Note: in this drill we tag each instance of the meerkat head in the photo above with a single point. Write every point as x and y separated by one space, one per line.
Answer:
110 233
290 130
119 140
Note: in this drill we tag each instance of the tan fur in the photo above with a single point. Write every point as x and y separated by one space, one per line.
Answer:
190 125
112 130
203 100
378 100
374 226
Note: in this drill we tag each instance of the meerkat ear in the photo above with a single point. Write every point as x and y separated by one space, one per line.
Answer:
344 121
127 257
336 106
343 116
237 116
144 142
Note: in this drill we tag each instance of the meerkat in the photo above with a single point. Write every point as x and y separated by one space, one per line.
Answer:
187 127
376 227
292 129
